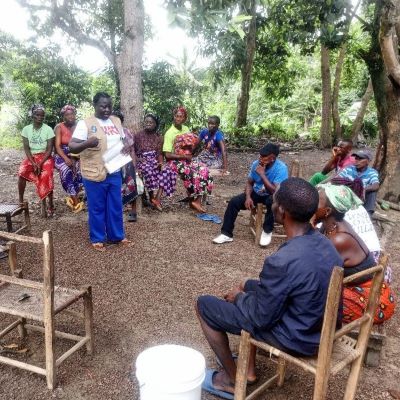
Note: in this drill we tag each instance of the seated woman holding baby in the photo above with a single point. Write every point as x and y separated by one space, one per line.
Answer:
179 145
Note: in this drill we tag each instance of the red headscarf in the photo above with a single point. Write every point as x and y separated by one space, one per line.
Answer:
180 109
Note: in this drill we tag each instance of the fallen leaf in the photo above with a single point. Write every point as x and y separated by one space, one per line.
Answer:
10 346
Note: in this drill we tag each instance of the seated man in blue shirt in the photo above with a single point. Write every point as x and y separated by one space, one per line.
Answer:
369 177
265 175
285 306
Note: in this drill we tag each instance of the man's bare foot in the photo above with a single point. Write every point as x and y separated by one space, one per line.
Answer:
221 381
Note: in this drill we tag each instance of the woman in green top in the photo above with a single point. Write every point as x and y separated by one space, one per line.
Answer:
38 166
178 147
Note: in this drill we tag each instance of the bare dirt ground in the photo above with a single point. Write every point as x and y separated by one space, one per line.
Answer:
144 295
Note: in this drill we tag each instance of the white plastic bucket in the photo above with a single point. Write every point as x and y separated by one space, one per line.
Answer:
170 372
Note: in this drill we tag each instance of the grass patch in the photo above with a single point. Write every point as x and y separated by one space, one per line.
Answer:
10 136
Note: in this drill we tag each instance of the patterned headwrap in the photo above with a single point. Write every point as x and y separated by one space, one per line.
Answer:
34 108
180 109
67 107
341 197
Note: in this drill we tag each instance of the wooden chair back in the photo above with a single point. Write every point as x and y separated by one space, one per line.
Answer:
336 350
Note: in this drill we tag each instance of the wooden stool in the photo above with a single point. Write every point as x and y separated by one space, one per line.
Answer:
8 211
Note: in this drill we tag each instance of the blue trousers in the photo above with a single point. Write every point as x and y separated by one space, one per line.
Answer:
105 209
237 203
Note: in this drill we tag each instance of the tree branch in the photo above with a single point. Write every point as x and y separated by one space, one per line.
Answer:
63 19
389 54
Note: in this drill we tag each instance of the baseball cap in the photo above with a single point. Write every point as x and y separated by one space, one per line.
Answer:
363 154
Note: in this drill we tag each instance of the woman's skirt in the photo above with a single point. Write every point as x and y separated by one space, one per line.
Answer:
355 299
196 177
70 176
209 159
129 189
44 181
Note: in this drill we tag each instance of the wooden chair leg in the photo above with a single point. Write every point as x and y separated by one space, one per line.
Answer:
88 312
321 386
48 309
9 222
21 328
281 369
27 217
12 257
242 366
50 356
43 208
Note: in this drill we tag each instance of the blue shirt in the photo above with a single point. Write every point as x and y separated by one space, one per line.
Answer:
276 173
211 141
288 300
368 177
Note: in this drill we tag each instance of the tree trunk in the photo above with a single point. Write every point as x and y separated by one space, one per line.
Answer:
129 64
243 98
337 127
387 98
382 62
325 132
358 122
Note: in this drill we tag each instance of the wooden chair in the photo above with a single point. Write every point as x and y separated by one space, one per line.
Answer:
257 213
43 301
8 211
336 350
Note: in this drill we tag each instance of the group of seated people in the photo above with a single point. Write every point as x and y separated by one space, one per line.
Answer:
285 306
326 221
156 160
268 172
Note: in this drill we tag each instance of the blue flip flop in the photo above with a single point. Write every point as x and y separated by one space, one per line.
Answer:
208 386
210 217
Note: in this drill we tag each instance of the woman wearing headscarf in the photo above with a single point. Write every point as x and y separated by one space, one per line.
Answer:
38 166
178 147
67 164
334 202
148 149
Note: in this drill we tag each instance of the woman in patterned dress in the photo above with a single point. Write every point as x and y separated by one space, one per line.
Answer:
148 150
178 147
66 164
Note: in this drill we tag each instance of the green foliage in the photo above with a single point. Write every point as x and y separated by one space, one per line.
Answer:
9 134
104 82
43 77
309 23
242 137
165 88
162 91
